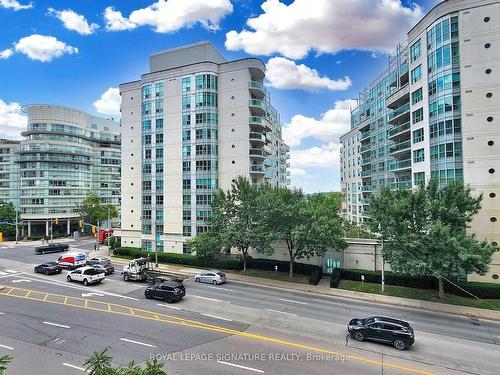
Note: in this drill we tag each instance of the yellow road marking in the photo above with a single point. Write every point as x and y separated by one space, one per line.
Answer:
172 319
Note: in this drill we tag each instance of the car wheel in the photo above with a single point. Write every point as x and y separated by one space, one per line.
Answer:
359 336
69 278
85 282
197 280
147 295
126 277
214 282
399 344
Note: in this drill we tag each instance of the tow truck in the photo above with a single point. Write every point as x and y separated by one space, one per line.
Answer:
140 269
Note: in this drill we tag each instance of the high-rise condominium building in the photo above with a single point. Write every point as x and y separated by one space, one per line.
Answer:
190 126
66 155
435 113
9 171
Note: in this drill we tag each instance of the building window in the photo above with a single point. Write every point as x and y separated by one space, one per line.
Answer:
418 155
416 96
186 166
159 138
159 200
186 231
419 178
159 90
418 135
186 215
417 115
186 184
186 135
186 199
159 123
415 51
416 74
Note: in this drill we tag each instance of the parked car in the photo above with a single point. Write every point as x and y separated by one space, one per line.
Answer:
108 269
72 260
51 248
211 277
98 260
388 330
86 275
49 268
169 291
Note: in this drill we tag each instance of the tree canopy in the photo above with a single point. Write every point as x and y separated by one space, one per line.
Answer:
95 211
8 214
101 364
424 231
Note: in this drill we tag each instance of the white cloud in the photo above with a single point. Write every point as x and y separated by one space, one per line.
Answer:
43 48
329 127
167 16
6 53
13 4
325 26
325 156
12 120
299 172
115 21
74 21
109 103
286 74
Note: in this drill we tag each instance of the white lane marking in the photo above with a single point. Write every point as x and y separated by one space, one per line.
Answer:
56 325
292 301
170 307
73 366
8 275
1 313
281 312
92 294
3 273
6 347
210 299
138 343
10 271
219 288
242 367
44 280
217 317
21 281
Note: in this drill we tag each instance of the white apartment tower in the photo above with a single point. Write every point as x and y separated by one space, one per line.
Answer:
189 127
435 113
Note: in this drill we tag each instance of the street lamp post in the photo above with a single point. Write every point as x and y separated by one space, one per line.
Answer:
17 230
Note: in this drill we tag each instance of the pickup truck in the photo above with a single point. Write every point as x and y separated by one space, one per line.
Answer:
86 275
51 248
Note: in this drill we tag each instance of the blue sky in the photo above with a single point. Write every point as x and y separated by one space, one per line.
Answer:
319 54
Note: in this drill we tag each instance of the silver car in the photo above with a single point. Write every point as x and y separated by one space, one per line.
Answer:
211 277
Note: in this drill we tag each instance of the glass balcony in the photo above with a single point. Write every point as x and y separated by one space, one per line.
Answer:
257 152
257 169
399 129
257 88
400 185
366 173
365 161
366 147
257 106
394 115
403 164
257 123
366 188
365 135
400 147
257 137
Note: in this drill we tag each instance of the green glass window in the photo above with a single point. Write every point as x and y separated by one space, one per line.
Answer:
418 155
416 96
419 178
416 74
415 51
418 135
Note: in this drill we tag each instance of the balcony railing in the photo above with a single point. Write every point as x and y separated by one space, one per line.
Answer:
366 161
257 169
400 146
366 173
255 120
257 152
256 85
256 103
366 147
365 135
400 185
366 188
400 165
399 129
398 112
254 136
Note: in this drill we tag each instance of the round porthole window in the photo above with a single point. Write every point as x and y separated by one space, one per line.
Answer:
491 170
488 71
233 162
232 114
131 184
494 277
493 195
487 45
489 95
232 130
233 146
132 211
491 143
232 79
131 167
489 119
493 219
494 243
232 97
486 19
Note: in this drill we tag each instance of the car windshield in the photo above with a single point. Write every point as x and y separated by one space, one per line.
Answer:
51 264
221 274
368 320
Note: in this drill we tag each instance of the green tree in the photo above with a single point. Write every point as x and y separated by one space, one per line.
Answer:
100 363
95 211
236 219
205 245
4 361
8 214
424 231
309 225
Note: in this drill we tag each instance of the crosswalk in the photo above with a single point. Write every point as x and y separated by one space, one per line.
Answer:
7 272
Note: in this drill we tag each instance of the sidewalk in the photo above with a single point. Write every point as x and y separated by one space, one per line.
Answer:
323 288
39 242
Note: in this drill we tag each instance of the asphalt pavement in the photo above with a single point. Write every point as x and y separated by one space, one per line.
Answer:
232 328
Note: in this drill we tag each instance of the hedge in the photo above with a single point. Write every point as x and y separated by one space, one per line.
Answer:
481 290
315 277
283 266
335 280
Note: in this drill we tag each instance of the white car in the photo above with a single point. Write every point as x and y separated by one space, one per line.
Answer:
211 277
86 275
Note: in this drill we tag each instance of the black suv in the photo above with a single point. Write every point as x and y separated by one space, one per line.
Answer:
51 248
170 291
378 328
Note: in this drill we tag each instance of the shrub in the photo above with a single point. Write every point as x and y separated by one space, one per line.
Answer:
114 242
335 280
283 266
314 277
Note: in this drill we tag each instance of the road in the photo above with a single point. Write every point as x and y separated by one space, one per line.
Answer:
51 326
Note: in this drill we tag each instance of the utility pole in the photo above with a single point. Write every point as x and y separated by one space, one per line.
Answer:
51 230
17 231
383 261
155 242
109 231
97 236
